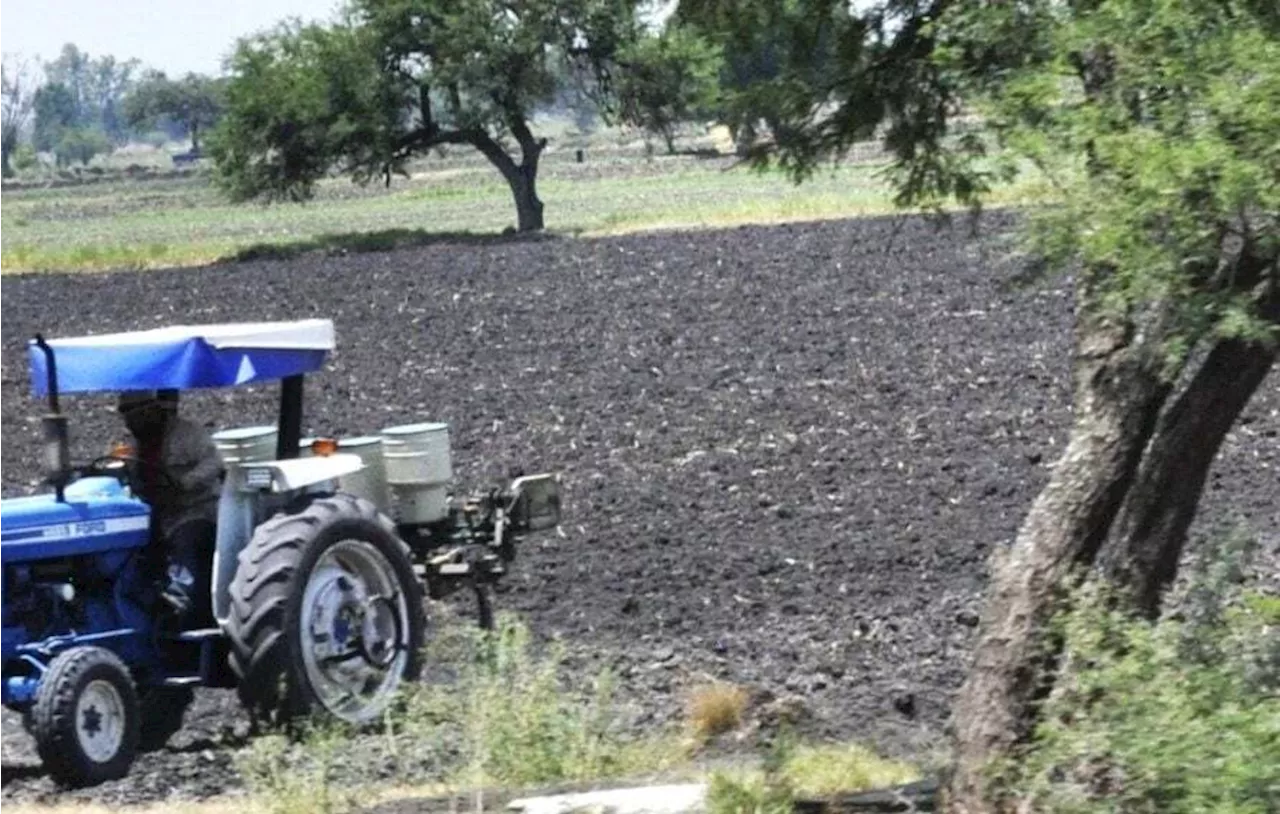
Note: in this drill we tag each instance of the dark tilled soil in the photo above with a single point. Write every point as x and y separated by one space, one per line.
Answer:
786 452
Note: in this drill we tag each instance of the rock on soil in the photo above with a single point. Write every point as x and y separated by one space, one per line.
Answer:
787 452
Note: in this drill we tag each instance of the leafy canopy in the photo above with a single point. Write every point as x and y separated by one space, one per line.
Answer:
770 50
194 101
667 80
392 79
1151 122
1154 124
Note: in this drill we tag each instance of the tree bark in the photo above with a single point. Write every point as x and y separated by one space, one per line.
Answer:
1119 390
522 177
528 205
1152 529
8 143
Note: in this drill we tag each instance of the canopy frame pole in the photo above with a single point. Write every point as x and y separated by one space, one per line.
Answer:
289 430
51 372
53 428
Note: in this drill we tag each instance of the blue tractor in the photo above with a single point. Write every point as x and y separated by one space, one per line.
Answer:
324 553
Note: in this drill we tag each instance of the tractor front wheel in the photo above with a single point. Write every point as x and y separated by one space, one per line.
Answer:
85 718
326 614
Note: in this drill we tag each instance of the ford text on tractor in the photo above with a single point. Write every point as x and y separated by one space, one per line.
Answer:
324 552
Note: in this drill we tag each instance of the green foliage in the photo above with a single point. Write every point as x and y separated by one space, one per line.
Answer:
96 87
793 770
1153 120
1177 717
771 52
193 101
299 777
492 712
394 79
25 158
514 722
668 80
768 791
751 794
301 98
17 88
833 768
55 110
79 145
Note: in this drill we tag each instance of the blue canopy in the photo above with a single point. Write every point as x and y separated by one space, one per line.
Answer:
184 356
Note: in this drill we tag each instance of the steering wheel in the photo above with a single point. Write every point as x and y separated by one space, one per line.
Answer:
118 467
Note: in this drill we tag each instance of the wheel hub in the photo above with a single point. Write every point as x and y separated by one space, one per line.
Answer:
100 721
354 628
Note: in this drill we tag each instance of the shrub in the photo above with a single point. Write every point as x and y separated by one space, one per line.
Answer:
25 158
715 708
791 770
517 722
494 711
1175 717
298 778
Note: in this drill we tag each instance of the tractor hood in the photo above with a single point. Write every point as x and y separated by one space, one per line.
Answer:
99 515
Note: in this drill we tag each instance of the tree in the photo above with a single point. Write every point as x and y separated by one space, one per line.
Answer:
80 145
393 79
194 102
55 109
96 88
667 80
760 41
17 89
1153 124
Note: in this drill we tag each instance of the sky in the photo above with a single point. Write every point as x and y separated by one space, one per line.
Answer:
175 37
169 35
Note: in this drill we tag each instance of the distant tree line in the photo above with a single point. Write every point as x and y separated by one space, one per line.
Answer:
78 106
388 81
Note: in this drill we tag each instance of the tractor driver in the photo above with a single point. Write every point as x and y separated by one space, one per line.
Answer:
179 474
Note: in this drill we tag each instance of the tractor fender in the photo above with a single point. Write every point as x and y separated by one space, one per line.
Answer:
296 473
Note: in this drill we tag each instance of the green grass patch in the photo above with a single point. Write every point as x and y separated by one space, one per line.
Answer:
496 712
183 221
803 771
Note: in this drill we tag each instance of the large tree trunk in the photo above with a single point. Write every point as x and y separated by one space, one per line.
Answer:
1118 393
522 177
1152 529
528 205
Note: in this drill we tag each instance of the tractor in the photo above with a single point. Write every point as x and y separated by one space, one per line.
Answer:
325 551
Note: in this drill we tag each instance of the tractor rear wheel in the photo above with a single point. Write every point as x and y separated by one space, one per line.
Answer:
326 614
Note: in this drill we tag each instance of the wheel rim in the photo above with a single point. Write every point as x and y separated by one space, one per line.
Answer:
354 630
100 721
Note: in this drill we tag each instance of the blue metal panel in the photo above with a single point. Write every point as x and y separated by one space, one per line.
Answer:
19 690
99 515
12 637
56 644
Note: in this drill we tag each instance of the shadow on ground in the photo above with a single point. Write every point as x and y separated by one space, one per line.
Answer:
342 244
